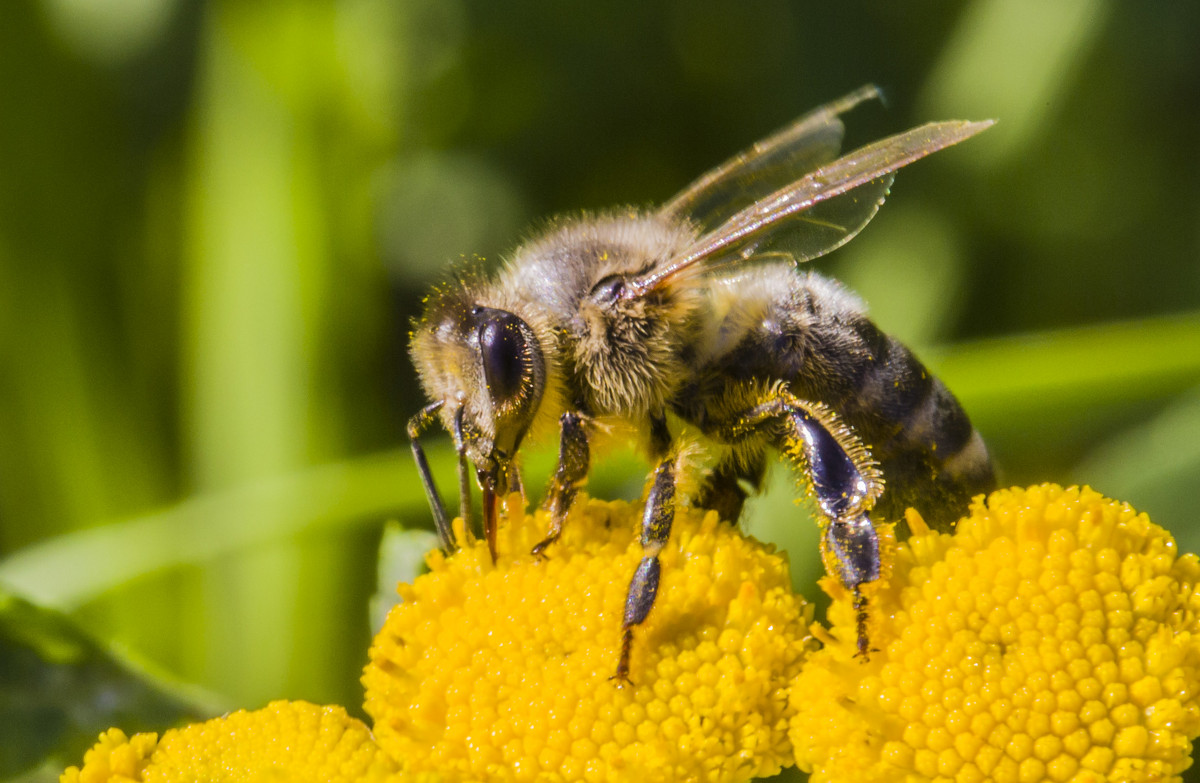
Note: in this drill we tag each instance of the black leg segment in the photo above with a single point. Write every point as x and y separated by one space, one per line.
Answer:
657 517
464 476
723 492
574 456
845 482
854 544
416 425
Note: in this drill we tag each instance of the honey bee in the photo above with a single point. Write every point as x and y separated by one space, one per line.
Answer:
692 318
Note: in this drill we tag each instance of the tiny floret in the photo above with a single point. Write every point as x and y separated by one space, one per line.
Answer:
503 672
285 741
1053 636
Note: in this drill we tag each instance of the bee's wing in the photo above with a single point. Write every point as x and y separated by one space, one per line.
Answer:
776 161
822 210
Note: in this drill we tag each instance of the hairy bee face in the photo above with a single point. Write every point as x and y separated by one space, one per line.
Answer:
485 366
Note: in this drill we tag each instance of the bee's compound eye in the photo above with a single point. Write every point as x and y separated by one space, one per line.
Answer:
505 354
609 289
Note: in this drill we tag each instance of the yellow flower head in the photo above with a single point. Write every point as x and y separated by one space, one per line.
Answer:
1053 636
503 672
286 741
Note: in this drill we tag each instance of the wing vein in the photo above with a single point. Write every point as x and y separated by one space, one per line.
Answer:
868 163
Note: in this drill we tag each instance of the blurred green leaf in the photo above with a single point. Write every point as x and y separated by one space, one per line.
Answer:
401 559
1153 466
1121 362
1053 38
72 569
59 689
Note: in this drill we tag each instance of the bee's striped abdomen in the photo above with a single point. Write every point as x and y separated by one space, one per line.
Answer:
933 459
810 333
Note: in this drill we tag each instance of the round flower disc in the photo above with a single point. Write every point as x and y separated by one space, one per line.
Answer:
285 741
1053 636
504 671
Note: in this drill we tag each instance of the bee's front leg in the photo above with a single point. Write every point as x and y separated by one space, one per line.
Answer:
574 457
416 425
657 517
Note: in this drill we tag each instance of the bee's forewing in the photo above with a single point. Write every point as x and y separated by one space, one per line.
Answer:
772 163
822 210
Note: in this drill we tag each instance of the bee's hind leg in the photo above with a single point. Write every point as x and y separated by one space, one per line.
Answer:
854 544
845 483
573 459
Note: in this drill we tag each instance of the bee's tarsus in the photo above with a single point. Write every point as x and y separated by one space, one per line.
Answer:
657 517
854 545
860 624
539 549
643 588
621 678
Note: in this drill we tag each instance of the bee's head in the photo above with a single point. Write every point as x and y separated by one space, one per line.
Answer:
486 366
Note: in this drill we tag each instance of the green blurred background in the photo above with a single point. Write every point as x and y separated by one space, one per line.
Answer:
217 219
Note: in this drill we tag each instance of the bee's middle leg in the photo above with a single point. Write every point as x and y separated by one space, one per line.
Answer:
574 457
657 517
